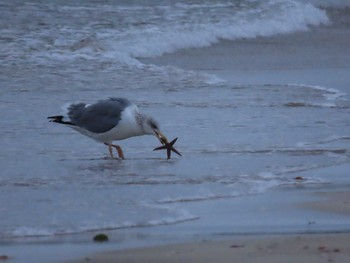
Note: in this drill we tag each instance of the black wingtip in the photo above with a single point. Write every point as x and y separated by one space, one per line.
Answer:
59 119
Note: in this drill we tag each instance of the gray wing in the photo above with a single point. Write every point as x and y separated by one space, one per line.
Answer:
99 117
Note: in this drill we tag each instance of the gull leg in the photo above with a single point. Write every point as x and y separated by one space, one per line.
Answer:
118 148
110 150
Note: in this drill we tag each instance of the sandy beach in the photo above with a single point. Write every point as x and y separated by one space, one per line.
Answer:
302 247
315 248
257 93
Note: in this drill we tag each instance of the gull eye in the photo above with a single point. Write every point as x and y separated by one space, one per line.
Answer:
153 124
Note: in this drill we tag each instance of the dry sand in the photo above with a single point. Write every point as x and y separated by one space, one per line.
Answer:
290 248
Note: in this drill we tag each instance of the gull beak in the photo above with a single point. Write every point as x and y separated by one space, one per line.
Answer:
161 137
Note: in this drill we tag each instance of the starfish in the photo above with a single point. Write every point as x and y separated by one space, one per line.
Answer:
169 146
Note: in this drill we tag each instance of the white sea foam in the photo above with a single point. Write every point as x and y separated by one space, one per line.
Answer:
150 31
25 231
331 95
276 17
194 198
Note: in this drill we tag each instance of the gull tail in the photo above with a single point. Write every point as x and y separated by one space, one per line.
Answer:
59 119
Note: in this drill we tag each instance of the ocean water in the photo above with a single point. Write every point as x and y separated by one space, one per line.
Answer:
236 139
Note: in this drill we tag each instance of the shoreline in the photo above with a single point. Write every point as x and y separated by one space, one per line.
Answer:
315 246
309 224
282 248
317 214
309 57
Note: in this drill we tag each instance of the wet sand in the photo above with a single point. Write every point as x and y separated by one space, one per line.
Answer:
294 248
317 247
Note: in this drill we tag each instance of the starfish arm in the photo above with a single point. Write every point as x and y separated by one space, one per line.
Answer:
175 151
168 153
168 147
160 148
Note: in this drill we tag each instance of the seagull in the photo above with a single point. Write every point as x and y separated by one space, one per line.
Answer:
111 120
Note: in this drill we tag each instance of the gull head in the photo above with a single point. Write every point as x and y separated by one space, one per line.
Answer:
151 127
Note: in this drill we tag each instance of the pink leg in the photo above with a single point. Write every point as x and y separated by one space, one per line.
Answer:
118 148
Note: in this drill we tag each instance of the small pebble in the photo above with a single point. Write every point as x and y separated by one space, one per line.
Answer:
100 238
